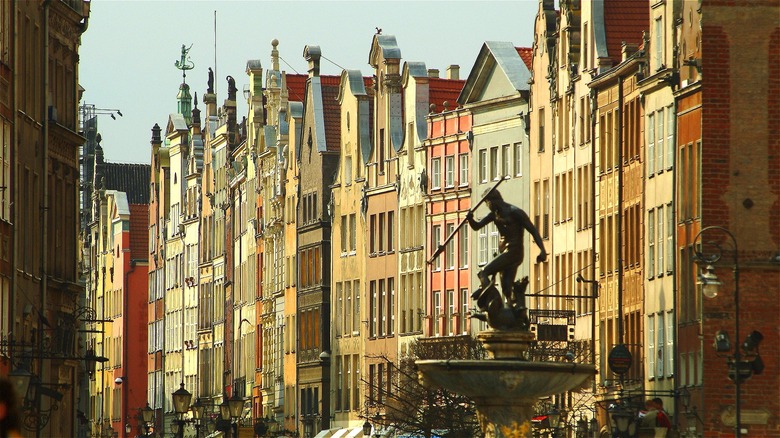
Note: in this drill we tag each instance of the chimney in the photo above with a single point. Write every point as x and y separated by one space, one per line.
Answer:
453 72
433 72
628 49
312 54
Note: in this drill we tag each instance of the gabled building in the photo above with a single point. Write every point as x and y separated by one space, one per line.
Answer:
496 94
659 138
381 199
117 252
349 254
619 186
317 155
291 408
424 93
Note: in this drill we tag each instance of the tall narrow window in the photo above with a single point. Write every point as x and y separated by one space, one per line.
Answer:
450 317
483 246
391 306
437 313
344 232
651 243
450 248
669 237
518 159
659 43
651 346
435 241
659 346
463 247
381 151
541 130
506 160
494 163
352 232
659 144
449 171
435 173
482 165
659 231
390 231
670 136
463 178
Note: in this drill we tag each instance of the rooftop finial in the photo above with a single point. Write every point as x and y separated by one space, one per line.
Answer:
185 63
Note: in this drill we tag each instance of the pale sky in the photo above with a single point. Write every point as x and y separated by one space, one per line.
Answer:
128 52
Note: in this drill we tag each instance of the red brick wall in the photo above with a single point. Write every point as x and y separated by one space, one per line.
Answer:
736 173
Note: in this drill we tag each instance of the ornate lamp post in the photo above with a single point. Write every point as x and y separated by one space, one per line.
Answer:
739 368
367 428
147 416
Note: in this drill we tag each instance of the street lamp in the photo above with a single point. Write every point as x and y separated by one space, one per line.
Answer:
181 404
197 415
623 421
366 428
146 416
739 369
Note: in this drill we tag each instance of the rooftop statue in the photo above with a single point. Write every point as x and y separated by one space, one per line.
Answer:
231 88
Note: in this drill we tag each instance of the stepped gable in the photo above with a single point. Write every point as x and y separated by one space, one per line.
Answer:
330 92
624 21
133 179
444 90
527 55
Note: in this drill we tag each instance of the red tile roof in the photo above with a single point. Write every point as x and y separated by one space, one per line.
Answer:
330 92
444 90
139 231
624 21
526 54
296 86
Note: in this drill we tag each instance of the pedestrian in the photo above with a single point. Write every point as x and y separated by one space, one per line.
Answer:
662 419
9 413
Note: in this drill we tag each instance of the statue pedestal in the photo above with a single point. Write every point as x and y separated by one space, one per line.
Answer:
507 345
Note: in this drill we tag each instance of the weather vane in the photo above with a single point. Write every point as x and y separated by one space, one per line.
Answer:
185 63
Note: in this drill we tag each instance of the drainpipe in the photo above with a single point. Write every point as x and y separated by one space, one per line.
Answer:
44 206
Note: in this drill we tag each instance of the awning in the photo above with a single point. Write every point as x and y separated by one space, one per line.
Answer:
355 433
538 418
327 433
341 433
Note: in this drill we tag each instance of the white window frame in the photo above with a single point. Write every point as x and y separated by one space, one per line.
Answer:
435 173
449 171
651 346
464 169
483 175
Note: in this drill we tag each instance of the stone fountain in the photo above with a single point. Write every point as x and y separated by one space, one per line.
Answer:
506 385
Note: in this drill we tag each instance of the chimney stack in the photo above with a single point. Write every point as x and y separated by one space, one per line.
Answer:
433 72
453 72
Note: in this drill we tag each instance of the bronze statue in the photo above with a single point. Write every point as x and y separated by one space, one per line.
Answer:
511 222
210 88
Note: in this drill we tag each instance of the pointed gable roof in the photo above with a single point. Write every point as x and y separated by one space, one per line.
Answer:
387 46
502 56
323 92
132 179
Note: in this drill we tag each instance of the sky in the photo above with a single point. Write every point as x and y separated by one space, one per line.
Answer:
129 49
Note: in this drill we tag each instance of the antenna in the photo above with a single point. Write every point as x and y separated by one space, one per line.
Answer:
215 50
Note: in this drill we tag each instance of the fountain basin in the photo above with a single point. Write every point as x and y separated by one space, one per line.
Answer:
504 391
507 379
